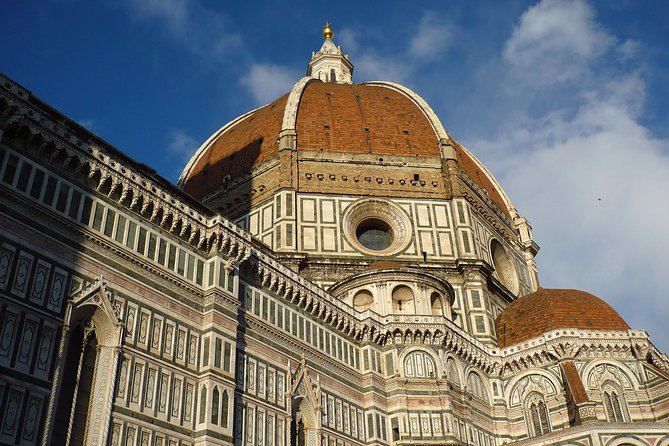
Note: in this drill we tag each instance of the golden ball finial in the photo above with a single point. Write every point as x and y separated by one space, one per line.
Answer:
327 31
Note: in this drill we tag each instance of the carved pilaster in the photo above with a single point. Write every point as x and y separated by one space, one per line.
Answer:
88 330
55 387
103 387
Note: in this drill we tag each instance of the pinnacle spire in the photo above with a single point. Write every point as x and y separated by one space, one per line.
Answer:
328 33
330 64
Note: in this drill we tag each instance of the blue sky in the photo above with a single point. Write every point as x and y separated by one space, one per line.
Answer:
566 101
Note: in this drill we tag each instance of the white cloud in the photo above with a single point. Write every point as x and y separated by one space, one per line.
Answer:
555 41
370 64
89 124
373 66
432 37
203 31
267 82
629 49
347 39
594 188
182 145
590 177
175 13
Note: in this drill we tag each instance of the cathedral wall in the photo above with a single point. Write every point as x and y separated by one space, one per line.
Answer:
55 260
217 347
441 230
319 226
441 233
484 235
176 360
33 289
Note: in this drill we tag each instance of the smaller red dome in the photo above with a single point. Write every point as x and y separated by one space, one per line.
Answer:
549 309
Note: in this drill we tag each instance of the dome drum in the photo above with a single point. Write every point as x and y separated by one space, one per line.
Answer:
396 292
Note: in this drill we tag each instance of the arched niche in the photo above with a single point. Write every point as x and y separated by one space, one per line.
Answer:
305 408
598 371
403 300
437 304
453 370
477 387
504 269
535 380
391 289
83 384
626 440
363 299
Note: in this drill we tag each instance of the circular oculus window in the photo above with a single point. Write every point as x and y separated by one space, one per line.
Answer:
377 227
374 234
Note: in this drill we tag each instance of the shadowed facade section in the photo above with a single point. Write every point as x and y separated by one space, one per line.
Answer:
242 146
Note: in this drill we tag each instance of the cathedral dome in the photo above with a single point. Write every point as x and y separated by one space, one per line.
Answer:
332 117
549 309
326 116
376 119
234 150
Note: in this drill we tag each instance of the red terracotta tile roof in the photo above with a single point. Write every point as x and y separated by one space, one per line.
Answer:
574 382
549 309
363 119
244 145
345 118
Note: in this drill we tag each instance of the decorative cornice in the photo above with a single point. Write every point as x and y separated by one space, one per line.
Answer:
479 194
563 344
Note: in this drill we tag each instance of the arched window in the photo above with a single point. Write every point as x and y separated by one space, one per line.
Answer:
613 405
437 305
203 403
504 269
419 364
303 427
88 371
76 387
224 400
215 397
538 418
476 387
300 434
452 371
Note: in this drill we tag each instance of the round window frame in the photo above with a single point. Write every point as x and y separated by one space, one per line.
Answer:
390 214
